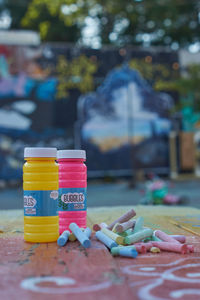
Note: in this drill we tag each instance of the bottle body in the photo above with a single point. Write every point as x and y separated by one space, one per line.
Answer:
72 201
40 184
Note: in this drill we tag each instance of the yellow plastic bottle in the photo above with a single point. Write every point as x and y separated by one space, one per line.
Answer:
40 183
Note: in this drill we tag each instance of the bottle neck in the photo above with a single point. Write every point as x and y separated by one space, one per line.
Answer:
74 160
30 159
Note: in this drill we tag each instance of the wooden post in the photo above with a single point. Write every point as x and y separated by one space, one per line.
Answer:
187 151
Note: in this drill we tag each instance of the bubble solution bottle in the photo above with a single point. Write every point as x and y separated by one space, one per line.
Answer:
40 183
72 201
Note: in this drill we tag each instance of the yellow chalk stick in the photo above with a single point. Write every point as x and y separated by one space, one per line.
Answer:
114 228
115 237
155 250
72 237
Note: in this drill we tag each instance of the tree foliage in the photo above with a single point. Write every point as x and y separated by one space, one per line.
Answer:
118 22
187 85
75 74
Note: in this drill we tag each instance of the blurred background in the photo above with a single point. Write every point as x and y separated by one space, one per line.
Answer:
118 78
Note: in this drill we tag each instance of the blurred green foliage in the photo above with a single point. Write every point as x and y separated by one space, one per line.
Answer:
153 72
75 74
119 22
189 81
187 85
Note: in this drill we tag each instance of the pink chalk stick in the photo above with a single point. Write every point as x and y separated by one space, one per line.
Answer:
147 246
126 217
124 226
140 248
97 227
165 237
190 248
179 238
171 247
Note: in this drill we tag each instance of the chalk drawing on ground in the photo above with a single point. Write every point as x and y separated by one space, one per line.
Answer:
177 271
32 284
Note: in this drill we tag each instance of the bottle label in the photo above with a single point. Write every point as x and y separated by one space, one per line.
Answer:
72 199
40 203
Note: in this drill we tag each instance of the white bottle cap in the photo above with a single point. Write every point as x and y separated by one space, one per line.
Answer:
40 152
71 154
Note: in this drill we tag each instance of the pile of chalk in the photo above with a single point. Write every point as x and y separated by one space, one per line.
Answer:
128 237
77 233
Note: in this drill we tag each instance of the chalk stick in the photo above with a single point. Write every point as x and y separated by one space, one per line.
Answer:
179 238
105 239
72 237
121 227
165 237
148 239
155 250
126 232
88 232
115 237
123 251
147 246
171 247
138 248
138 224
63 238
126 217
190 248
138 236
114 227
80 235
155 238
97 227
103 225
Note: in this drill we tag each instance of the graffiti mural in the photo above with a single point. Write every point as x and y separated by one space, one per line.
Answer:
27 103
39 92
124 124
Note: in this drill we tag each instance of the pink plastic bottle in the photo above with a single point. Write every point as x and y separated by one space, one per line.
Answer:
72 202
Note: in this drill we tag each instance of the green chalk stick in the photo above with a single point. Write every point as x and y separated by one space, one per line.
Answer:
156 239
138 224
126 232
138 236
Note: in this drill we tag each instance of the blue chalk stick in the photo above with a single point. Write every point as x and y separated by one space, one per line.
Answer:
80 235
63 238
128 252
105 240
88 232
